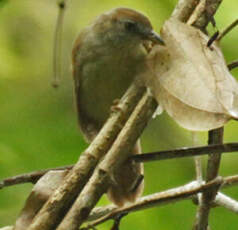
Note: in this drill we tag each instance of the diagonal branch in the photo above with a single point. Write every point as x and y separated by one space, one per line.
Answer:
184 9
118 153
101 214
230 180
227 30
233 65
207 14
161 198
59 203
226 202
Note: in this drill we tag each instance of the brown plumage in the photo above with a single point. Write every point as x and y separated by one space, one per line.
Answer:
133 15
107 56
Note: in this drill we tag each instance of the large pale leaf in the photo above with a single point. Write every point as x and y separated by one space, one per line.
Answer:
190 80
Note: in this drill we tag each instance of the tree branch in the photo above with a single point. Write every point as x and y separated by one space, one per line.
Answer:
59 203
197 13
118 153
215 136
207 14
57 46
203 14
33 177
232 65
227 202
161 198
100 213
230 180
184 9
185 152
227 30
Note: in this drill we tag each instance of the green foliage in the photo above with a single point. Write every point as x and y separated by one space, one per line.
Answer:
38 124
3 2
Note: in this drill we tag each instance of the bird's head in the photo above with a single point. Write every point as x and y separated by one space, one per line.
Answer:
124 24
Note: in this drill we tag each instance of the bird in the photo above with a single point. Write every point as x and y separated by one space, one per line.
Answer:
107 56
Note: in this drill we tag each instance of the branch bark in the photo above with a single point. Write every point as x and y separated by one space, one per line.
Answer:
232 65
99 214
227 30
60 202
118 153
184 9
215 136
185 152
162 198
33 177
221 200
227 202
207 14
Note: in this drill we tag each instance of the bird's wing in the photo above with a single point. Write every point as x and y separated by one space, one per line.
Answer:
87 126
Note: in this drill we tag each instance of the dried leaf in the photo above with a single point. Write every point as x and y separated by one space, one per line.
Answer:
190 80
41 192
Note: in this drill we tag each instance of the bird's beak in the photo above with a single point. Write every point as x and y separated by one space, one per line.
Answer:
154 37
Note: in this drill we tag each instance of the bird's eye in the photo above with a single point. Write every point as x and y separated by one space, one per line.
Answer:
130 25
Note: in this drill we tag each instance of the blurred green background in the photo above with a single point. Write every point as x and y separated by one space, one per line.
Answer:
38 127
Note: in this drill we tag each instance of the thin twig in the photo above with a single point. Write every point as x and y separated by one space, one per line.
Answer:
227 30
184 9
117 221
118 153
61 200
32 177
161 198
198 165
226 202
198 11
207 14
212 39
58 43
229 181
215 136
232 65
185 152
101 214
198 168
197 159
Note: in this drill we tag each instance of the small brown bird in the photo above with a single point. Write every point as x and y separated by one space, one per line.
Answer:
107 56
